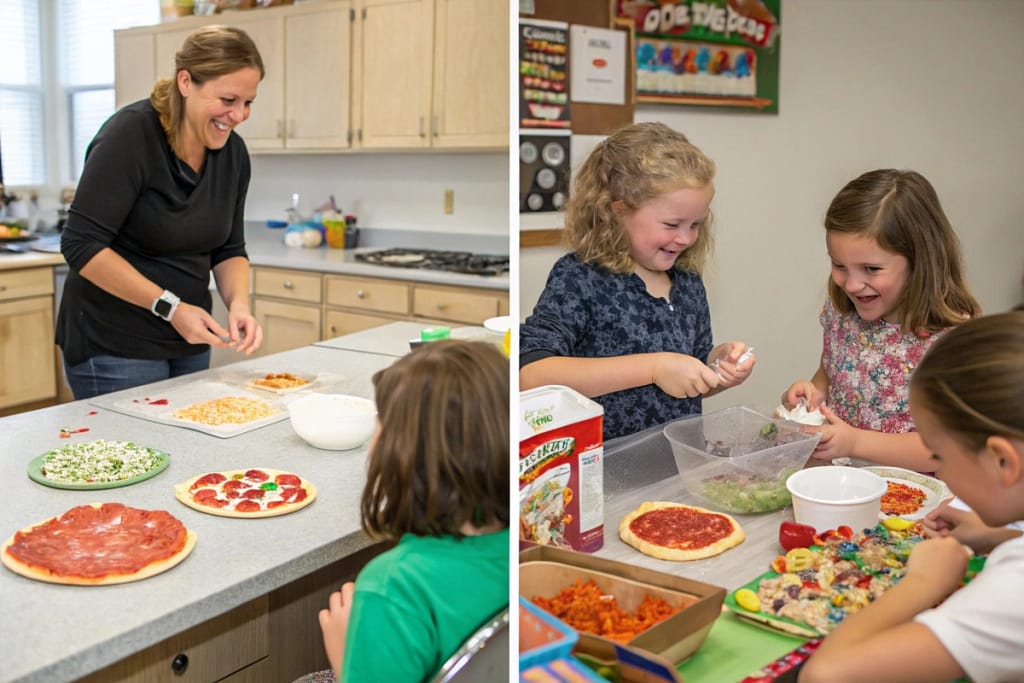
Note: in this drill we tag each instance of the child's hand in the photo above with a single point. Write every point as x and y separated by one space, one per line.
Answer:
681 376
803 389
837 437
965 526
732 362
941 562
334 625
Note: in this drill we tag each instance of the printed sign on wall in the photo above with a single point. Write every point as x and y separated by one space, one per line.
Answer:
543 74
722 53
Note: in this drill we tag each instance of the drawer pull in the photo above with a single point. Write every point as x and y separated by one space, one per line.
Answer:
3 288
360 293
179 664
288 284
442 307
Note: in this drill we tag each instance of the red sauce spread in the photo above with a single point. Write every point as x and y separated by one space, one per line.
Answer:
683 528
93 542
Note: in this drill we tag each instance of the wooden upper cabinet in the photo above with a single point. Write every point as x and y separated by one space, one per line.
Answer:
134 66
471 101
318 48
432 73
395 72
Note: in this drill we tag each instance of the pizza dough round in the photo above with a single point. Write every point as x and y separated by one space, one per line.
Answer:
679 532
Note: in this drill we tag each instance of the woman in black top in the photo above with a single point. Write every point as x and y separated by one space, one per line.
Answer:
159 205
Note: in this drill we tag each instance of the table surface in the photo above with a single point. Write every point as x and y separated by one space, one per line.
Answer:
52 632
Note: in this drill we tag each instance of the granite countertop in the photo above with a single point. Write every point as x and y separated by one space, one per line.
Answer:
266 248
53 632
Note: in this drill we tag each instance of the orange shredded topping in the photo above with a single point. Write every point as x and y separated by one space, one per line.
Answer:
585 608
901 499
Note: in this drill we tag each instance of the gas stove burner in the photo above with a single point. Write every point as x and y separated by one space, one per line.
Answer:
435 259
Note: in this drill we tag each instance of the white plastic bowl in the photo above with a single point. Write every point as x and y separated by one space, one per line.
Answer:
830 496
334 422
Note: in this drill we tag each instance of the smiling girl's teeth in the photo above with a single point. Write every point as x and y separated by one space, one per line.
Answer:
220 126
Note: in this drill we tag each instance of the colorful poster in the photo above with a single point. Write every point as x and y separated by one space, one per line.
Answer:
543 74
719 53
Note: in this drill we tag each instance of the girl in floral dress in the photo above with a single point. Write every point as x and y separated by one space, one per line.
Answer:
897 284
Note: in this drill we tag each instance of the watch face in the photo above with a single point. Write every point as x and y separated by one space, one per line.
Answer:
162 307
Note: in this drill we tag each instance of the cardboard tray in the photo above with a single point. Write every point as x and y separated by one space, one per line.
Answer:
544 570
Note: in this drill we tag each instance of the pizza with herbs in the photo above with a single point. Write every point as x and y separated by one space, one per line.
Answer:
674 531
98 544
255 492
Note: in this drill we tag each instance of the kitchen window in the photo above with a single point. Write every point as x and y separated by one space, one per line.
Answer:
57 84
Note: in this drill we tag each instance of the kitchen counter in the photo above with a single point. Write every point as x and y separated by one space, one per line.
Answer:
29 259
266 248
60 633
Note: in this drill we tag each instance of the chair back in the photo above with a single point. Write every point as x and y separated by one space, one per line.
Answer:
483 657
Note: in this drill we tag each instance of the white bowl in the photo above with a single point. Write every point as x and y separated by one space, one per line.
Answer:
830 496
498 325
334 422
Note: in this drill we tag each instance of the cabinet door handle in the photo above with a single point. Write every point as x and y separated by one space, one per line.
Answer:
434 127
423 133
280 128
360 294
291 128
334 331
442 307
179 664
288 284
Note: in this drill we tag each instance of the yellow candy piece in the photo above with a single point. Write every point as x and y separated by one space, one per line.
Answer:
506 344
789 579
748 600
897 523
799 559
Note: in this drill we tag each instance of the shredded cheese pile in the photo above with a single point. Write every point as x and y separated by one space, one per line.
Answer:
227 410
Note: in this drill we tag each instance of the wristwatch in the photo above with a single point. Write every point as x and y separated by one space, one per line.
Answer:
165 305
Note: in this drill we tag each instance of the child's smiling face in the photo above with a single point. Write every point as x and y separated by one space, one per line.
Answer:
871 277
664 227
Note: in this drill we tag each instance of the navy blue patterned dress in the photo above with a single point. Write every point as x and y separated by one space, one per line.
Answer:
585 311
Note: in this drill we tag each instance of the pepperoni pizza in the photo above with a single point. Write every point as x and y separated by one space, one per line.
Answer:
255 492
98 544
674 531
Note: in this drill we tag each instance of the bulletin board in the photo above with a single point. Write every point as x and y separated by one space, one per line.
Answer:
717 53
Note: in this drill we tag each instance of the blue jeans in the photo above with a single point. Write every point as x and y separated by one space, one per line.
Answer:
104 374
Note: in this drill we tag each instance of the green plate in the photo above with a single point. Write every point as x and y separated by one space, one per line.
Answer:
35 473
799 628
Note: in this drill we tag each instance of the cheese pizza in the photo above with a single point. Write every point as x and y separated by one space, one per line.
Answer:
280 382
98 544
255 492
674 531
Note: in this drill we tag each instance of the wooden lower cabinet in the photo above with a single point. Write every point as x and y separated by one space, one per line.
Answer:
275 637
286 325
297 308
27 355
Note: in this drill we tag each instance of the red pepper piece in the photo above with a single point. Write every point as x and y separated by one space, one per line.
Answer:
794 535
779 564
845 531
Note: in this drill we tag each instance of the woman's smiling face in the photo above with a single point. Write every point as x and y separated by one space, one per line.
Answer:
213 109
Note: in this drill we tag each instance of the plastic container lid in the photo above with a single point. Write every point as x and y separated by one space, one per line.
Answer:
435 333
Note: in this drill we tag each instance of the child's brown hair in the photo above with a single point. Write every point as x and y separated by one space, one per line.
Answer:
633 165
441 459
972 379
902 212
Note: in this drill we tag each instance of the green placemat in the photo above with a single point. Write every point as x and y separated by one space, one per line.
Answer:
733 650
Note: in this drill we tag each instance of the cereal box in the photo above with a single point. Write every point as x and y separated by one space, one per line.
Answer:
561 469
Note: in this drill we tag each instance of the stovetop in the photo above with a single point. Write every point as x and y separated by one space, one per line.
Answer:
435 259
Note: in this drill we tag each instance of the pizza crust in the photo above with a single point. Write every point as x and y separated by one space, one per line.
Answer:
663 552
40 574
183 493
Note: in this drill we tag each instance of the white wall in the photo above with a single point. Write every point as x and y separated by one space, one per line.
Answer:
388 190
932 85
